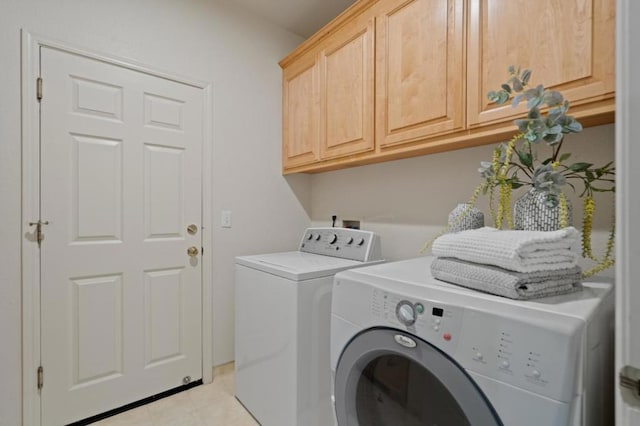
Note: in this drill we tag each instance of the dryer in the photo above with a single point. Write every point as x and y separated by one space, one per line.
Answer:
282 321
407 349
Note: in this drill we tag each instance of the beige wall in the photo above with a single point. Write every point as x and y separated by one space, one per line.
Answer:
408 201
199 40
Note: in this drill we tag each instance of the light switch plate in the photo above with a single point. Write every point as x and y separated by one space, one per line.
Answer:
225 219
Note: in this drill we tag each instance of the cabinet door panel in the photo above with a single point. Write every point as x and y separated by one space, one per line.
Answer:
301 112
568 44
346 76
420 73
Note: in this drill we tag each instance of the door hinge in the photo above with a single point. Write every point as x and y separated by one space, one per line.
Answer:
630 379
39 88
40 377
39 233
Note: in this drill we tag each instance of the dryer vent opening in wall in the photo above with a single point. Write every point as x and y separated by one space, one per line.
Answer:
353 224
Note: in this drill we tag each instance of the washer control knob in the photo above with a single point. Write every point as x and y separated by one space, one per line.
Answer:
350 240
318 237
479 356
405 312
361 241
310 236
333 239
505 364
536 374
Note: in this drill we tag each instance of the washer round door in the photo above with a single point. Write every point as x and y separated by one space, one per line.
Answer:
392 378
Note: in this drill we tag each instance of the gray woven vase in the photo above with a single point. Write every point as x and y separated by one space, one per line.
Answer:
465 217
531 213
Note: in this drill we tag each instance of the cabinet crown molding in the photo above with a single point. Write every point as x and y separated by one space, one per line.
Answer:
352 11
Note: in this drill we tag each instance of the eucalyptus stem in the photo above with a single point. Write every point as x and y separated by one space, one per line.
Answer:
556 150
524 169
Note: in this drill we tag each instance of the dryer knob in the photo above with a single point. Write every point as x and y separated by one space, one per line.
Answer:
406 313
333 239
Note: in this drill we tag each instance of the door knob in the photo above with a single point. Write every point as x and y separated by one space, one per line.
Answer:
192 251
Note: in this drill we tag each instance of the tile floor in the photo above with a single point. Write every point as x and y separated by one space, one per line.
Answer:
204 405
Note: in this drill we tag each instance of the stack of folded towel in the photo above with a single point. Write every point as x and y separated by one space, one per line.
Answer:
514 264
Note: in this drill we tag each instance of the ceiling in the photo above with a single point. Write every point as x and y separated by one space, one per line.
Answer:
302 17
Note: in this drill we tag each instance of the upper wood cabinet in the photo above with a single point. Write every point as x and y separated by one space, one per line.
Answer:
569 46
419 70
301 112
328 95
347 90
390 79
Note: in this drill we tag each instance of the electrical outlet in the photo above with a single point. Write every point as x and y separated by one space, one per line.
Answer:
225 219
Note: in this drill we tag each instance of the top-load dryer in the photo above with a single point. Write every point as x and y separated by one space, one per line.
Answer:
407 349
282 315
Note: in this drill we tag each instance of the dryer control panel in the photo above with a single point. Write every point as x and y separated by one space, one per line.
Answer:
537 355
542 358
435 322
345 243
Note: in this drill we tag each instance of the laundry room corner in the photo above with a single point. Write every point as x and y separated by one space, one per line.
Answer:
183 177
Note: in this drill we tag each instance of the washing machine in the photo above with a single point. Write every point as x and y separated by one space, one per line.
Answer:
407 349
282 322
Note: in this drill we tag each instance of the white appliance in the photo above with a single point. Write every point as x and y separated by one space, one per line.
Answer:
407 349
282 316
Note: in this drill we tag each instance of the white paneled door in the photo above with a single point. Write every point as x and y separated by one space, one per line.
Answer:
120 183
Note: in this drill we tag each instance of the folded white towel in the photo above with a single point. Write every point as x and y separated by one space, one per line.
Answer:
522 251
514 285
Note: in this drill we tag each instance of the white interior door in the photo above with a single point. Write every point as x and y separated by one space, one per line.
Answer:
120 182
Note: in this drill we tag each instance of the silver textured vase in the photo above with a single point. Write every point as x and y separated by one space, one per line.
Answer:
531 213
464 216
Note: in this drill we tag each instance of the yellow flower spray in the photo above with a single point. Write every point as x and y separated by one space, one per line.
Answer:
587 224
564 211
504 195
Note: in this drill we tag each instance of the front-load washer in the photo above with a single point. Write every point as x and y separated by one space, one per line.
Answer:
282 322
407 349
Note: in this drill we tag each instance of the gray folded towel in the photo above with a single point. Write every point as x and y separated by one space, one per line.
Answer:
502 282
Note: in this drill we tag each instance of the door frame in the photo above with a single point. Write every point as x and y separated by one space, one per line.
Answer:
627 106
30 267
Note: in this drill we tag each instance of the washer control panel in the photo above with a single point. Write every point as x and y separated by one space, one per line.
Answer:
354 244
